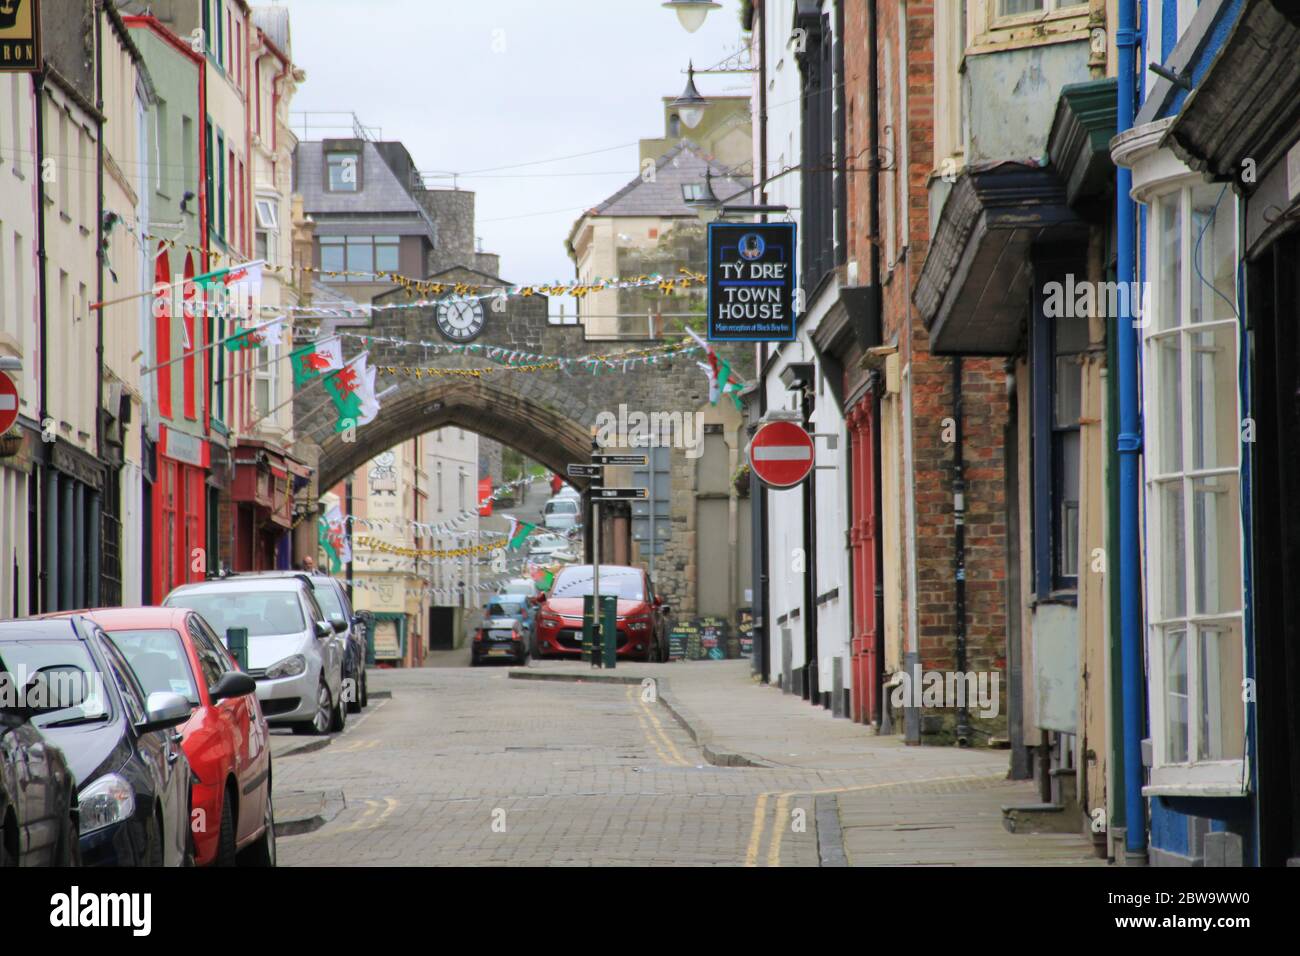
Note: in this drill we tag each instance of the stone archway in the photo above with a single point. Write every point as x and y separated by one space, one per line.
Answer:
549 415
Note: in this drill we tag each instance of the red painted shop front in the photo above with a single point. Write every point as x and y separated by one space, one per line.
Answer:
865 662
179 511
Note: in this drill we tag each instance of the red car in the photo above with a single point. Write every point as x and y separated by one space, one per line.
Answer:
642 614
225 739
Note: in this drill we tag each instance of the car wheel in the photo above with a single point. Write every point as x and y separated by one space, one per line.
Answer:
226 838
153 839
262 853
320 722
339 713
354 705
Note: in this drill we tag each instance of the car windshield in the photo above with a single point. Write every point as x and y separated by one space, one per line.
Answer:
263 612
623 582
57 679
159 660
501 633
328 599
543 541
561 506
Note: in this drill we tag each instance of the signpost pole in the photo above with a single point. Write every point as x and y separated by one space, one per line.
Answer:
596 630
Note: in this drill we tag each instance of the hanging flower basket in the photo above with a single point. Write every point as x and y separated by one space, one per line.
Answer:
11 442
740 481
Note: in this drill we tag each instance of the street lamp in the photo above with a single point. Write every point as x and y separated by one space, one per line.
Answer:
705 202
690 105
691 13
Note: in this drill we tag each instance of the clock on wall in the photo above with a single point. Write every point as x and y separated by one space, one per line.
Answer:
460 319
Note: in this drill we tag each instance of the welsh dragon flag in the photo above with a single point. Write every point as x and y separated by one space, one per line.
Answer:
246 275
542 577
519 531
313 361
722 381
256 337
334 540
352 388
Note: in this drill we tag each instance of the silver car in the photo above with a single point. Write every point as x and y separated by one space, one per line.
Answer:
294 652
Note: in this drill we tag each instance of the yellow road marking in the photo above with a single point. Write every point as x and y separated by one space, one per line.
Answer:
783 803
669 752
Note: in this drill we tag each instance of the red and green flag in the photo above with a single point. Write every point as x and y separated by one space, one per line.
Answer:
352 389
519 532
313 361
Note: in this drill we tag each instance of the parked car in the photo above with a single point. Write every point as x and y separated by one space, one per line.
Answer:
38 794
499 638
542 546
562 514
133 779
294 653
568 491
226 739
332 597
642 614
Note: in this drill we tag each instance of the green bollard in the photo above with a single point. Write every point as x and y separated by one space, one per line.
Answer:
609 628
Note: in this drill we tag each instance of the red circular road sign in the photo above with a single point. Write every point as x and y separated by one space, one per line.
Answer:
8 403
781 454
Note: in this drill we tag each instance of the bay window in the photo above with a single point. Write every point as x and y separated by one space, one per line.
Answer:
1192 477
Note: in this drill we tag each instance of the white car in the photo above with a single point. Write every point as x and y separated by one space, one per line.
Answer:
294 652
562 514
546 544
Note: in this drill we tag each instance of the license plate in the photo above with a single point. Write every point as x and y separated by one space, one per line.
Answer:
499 652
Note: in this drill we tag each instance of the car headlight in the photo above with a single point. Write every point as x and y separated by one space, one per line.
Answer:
552 621
108 800
289 667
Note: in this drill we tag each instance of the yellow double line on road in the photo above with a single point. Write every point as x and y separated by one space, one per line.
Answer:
759 826
654 731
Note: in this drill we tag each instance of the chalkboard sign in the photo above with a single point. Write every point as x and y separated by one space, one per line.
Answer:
745 632
680 639
713 637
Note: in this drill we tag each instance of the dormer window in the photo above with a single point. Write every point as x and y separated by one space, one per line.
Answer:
344 169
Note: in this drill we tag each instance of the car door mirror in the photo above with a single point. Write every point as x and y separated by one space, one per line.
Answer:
323 629
164 711
665 609
232 684
340 623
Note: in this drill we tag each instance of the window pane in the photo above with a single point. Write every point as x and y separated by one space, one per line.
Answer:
1171 557
331 254
1175 653
1067 557
386 257
1214 262
1216 548
1169 403
1169 307
1068 400
360 255
1011 8
342 172
1214 398
1220 729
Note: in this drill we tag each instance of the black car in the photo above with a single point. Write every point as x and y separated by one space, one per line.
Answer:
133 781
38 795
499 638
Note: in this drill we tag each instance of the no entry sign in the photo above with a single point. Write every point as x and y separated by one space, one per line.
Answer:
8 403
781 454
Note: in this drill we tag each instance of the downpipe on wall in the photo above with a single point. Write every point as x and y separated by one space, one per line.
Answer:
959 548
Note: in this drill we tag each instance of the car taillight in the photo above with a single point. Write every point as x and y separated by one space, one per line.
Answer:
478 635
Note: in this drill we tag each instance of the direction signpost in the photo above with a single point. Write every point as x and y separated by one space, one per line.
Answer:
603 634
781 454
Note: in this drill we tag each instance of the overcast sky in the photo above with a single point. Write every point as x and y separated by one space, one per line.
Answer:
473 85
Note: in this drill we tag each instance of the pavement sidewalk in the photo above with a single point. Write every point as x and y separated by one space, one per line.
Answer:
876 800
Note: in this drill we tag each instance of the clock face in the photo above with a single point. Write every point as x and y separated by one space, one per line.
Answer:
460 319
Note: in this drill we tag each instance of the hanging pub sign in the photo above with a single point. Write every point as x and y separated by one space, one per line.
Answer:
20 36
751 282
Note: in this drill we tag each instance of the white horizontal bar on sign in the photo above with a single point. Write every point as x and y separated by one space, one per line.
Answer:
8 402
782 453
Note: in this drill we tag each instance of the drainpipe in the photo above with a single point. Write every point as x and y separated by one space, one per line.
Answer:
812 662
48 591
959 548
873 201
99 233
1129 446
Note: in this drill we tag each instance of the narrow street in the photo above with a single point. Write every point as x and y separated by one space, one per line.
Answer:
476 767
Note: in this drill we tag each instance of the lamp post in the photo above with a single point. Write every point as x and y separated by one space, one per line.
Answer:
691 13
